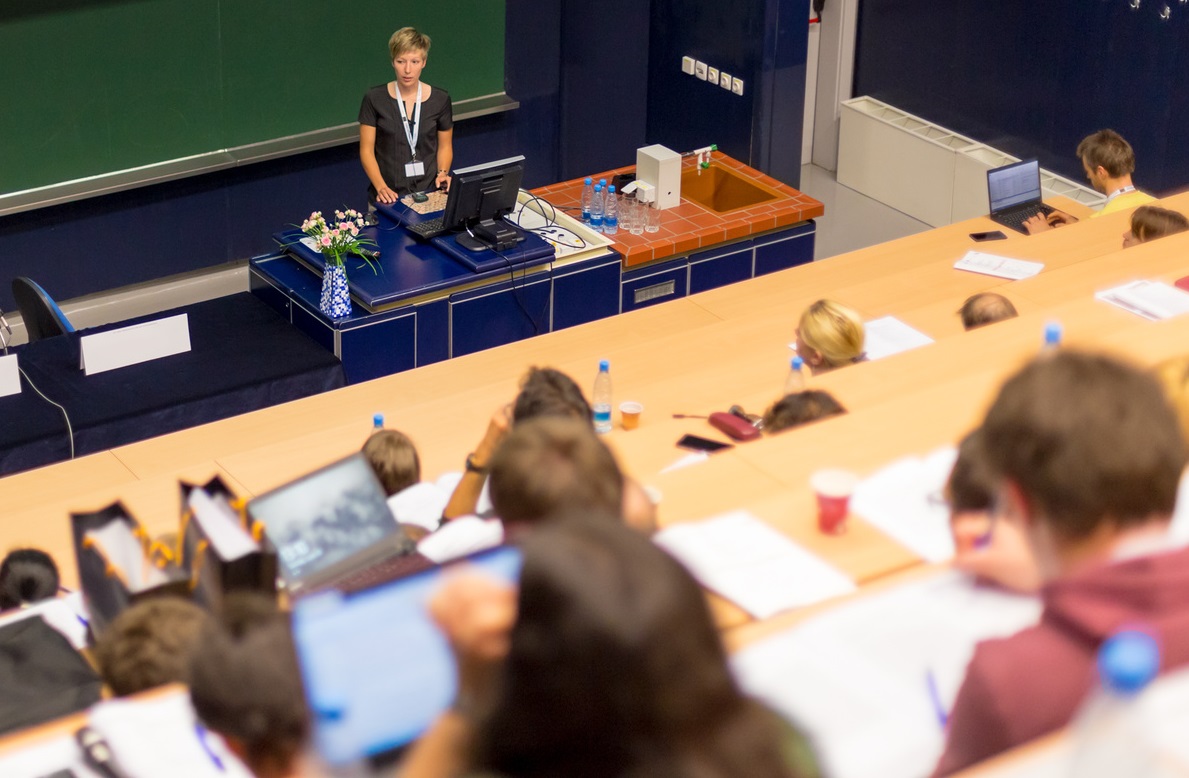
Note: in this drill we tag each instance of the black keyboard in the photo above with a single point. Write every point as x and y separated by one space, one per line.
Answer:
382 572
431 228
1016 219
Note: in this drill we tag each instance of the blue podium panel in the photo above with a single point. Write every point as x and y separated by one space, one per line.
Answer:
654 284
499 314
586 291
720 266
782 250
379 348
433 332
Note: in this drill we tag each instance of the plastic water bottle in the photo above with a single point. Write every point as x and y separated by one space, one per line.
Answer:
377 422
596 209
1052 335
1110 729
796 380
601 398
587 196
603 183
611 212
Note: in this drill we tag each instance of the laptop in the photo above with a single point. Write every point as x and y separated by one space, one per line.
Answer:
375 668
1014 193
333 529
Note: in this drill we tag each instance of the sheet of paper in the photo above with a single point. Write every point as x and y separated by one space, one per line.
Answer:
904 500
1153 300
995 265
692 458
10 375
156 737
123 550
855 677
221 527
134 344
751 564
421 504
888 335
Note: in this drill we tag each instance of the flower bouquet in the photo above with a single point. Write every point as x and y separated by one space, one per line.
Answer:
337 240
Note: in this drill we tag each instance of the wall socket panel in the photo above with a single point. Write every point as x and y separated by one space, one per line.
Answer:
711 74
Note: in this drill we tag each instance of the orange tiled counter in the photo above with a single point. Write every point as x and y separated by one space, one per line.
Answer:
692 227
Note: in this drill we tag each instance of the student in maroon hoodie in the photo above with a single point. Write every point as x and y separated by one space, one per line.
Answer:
1087 453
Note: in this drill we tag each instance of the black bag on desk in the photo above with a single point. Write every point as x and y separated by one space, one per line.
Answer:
213 573
41 675
118 565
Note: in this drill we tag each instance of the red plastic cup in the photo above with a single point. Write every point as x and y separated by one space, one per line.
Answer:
833 489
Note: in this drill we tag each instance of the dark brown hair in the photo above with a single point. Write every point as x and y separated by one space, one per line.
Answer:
799 408
971 485
549 464
246 685
1088 439
548 392
1149 222
616 669
27 575
394 458
150 644
986 308
1108 149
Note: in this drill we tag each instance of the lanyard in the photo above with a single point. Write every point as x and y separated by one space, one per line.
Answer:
1120 191
411 136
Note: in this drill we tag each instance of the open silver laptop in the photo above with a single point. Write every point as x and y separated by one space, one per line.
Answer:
1015 195
333 529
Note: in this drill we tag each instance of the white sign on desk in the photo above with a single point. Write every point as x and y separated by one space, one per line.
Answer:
134 344
10 377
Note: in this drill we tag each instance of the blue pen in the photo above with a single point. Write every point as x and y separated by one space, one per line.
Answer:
200 732
935 698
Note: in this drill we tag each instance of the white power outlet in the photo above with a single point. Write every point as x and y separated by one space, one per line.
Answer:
724 81
737 86
712 74
700 69
687 65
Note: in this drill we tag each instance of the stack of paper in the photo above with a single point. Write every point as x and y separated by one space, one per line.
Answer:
904 500
888 335
1000 267
753 565
855 678
1152 300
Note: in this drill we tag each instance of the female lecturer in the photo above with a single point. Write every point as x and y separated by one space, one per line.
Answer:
406 127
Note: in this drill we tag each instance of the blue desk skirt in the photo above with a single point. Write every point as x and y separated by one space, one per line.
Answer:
243 357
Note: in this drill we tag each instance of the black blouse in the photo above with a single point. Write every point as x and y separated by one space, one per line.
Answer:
380 110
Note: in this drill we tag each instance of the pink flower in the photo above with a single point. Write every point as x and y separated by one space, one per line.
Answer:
325 240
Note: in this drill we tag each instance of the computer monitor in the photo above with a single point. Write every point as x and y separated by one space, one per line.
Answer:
479 197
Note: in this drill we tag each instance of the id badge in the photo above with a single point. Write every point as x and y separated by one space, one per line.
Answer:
415 169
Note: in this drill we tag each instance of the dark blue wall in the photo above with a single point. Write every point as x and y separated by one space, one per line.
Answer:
581 72
1035 78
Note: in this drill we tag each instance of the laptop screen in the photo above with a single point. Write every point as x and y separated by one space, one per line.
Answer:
1013 184
324 517
376 669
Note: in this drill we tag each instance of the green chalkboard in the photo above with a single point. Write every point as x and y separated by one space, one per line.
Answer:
96 86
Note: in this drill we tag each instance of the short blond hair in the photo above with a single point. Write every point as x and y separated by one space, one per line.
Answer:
834 331
407 39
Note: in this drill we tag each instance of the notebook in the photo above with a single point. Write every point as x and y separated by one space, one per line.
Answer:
375 668
1014 193
332 528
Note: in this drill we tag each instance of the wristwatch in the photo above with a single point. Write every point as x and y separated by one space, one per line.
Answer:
474 468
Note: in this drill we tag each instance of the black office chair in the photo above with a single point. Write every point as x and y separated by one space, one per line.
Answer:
42 316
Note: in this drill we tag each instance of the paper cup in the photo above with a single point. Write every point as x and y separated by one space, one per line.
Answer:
833 489
629 413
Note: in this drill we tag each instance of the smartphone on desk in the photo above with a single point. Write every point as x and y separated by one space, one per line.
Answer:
979 237
695 443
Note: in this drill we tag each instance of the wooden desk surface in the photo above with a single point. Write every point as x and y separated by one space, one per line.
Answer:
695 355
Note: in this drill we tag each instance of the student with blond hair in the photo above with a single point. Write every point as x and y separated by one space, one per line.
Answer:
829 336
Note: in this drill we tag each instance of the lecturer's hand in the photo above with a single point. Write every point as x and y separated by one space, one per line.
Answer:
386 195
442 182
